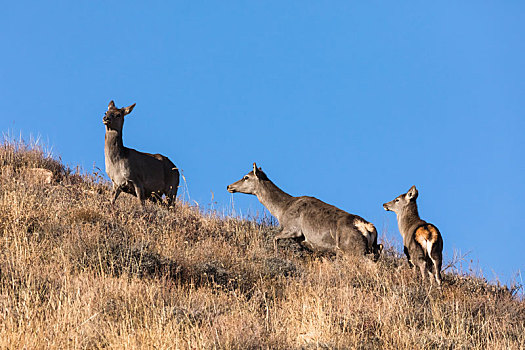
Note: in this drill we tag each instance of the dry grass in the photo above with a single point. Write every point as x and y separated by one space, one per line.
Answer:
76 272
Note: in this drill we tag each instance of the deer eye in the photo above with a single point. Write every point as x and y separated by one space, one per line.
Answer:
397 200
246 177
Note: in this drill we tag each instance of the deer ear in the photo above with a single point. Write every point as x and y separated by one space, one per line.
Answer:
128 109
412 193
254 169
111 104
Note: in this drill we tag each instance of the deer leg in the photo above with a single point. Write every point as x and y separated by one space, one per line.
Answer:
116 193
423 269
437 271
405 250
308 245
155 197
169 200
139 191
285 234
429 272
172 196
337 242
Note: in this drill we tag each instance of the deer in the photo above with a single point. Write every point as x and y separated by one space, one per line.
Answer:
144 175
422 241
317 225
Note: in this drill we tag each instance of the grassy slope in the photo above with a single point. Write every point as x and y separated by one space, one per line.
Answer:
76 272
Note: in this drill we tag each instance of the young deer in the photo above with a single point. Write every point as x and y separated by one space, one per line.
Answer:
423 244
141 174
322 226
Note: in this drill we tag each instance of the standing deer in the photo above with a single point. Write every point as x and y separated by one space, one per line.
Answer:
423 244
141 174
322 226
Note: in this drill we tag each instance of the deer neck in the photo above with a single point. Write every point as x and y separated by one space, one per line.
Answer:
114 147
273 198
407 219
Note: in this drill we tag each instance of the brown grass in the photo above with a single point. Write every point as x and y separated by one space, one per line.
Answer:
76 272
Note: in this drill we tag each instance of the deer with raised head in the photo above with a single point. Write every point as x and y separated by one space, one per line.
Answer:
147 176
320 226
423 244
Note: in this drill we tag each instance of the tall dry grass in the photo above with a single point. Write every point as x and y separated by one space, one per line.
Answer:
76 272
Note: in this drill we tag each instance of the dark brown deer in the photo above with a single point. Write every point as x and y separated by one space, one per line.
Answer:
423 244
141 174
321 226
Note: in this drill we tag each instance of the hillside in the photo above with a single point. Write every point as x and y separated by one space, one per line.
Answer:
76 272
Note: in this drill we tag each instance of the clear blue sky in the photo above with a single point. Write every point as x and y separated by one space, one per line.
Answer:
351 102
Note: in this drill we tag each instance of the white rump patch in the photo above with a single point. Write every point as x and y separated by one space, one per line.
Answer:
426 245
429 247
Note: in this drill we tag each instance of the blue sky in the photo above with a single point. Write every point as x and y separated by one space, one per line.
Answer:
350 102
